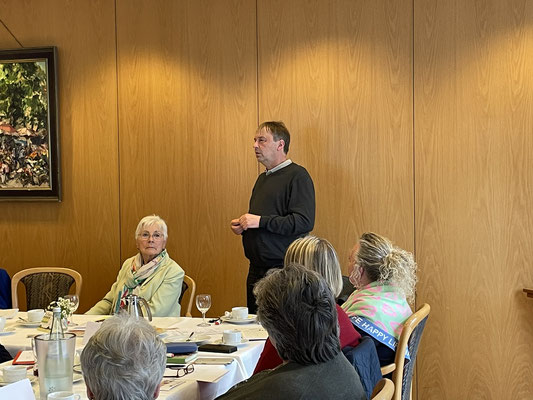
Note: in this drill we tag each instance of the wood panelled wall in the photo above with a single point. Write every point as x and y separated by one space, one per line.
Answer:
83 231
339 74
413 117
474 195
187 113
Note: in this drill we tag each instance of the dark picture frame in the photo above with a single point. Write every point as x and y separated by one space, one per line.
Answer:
29 134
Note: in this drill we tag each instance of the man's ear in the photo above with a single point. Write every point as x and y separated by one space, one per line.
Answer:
157 390
281 144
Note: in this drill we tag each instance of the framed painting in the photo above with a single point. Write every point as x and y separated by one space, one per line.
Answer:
29 137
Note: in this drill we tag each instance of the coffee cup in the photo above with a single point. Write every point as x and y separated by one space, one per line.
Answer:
231 337
239 313
35 315
14 373
63 396
2 323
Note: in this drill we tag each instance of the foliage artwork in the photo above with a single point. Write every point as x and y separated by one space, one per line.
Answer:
24 137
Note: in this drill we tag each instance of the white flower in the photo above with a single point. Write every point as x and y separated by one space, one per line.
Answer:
67 307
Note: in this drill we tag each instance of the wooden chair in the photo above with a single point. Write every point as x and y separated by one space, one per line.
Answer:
384 390
44 285
188 282
402 372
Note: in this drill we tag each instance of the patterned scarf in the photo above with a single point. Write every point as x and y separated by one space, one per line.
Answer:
138 274
384 306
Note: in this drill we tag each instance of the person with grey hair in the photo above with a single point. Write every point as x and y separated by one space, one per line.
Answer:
384 277
151 274
124 359
297 308
318 255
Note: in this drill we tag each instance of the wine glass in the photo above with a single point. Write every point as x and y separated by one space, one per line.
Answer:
203 303
75 301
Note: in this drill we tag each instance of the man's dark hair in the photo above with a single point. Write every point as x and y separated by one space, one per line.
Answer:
278 130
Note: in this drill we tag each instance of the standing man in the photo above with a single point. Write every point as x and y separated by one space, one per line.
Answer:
282 206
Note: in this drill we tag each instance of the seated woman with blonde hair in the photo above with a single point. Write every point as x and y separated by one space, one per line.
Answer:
150 274
384 277
317 255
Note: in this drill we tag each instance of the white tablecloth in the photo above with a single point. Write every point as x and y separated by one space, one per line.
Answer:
245 358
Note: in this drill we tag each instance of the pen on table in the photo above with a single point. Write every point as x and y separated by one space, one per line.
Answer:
190 336
214 320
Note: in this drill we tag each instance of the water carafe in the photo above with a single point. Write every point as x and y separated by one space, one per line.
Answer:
133 306
55 357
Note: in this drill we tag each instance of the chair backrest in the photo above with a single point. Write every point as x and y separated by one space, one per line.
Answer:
409 338
188 283
44 285
384 390
5 289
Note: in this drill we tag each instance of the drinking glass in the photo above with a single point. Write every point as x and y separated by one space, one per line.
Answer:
203 303
75 300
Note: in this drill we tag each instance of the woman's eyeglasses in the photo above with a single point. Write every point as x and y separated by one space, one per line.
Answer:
180 371
156 236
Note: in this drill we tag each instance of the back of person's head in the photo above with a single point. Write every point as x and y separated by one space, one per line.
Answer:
297 308
278 130
387 264
319 255
124 360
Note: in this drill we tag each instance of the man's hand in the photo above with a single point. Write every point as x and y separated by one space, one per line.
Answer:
249 221
236 227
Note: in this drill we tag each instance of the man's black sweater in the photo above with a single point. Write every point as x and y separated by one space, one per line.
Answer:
285 200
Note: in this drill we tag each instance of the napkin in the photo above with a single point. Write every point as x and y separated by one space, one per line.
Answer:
254 333
9 313
20 390
90 330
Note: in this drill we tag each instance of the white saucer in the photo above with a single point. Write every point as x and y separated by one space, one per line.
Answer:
7 331
32 379
29 324
242 343
251 318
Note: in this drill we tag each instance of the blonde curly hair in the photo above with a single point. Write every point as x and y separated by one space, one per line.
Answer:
387 264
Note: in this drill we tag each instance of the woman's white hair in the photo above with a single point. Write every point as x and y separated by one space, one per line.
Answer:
123 360
387 264
150 220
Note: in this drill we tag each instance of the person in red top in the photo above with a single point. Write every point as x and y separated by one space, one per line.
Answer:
318 255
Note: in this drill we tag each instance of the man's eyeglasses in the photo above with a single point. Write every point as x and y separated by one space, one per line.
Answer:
156 236
180 371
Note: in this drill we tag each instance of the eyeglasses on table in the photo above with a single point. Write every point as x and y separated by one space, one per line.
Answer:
180 371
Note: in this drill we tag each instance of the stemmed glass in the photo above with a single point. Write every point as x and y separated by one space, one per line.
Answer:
75 301
203 303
